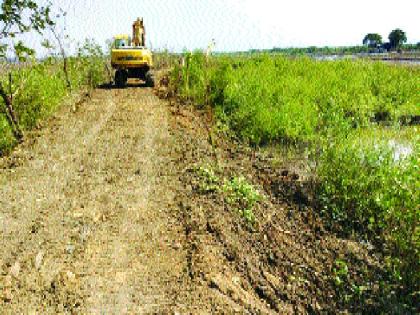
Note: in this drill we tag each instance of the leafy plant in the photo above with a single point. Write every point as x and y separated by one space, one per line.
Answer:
369 183
208 181
273 98
19 17
340 272
242 196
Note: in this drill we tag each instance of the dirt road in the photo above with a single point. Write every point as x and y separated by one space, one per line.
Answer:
86 210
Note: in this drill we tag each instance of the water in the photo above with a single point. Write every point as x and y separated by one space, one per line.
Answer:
379 57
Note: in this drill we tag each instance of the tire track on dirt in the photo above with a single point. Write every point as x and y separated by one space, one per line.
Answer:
35 225
87 216
132 272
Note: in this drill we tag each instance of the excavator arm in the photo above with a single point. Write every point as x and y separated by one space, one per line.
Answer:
139 33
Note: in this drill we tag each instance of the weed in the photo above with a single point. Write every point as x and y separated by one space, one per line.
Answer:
369 183
340 272
242 196
237 192
208 181
272 98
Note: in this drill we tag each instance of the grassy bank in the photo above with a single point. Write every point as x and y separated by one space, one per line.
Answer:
271 99
39 88
368 175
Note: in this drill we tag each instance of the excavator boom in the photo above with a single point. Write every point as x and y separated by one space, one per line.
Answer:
139 33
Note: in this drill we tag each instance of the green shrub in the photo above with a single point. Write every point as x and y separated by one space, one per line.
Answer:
39 96
333 107
273 98
41 87
370 182
237 192
208 181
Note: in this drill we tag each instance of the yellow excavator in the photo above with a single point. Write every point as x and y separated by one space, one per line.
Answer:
130 58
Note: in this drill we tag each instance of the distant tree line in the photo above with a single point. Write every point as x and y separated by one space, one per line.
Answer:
397 38
372 42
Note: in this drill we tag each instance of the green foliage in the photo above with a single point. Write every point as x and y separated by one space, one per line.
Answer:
40 95
18 17
164 59
372 40
321 51
242 196
397 37
370 182
91 60
208 181
340 272
273 98
40 88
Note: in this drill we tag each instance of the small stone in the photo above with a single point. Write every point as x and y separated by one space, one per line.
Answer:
15 269
38 260
70 248
71 277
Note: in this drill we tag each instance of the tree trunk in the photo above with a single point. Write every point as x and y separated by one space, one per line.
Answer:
10 115
64 56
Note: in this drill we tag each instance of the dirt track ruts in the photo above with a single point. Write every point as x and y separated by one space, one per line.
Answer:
86 212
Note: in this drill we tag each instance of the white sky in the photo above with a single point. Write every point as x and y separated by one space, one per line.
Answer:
242 24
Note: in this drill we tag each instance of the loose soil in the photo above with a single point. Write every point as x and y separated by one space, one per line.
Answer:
102 213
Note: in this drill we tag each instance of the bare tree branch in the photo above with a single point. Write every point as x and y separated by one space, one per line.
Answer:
64 56
10 115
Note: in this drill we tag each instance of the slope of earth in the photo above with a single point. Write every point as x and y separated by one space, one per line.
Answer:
288 262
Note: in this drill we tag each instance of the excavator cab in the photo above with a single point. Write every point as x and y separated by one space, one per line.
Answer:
121 42
130 58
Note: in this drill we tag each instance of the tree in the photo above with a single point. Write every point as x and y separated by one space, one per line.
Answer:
18 17
396 38
372 40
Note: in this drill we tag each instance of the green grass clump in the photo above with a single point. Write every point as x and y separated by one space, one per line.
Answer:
208 181
238 193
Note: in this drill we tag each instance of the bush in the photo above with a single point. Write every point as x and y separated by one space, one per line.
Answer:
41 87
370 183
273 98
242 196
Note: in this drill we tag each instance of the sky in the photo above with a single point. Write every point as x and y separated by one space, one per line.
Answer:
237 25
